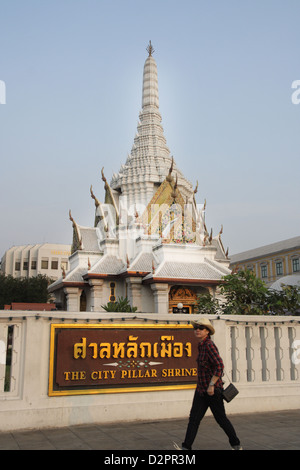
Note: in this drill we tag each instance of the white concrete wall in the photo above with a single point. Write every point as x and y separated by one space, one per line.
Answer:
257 349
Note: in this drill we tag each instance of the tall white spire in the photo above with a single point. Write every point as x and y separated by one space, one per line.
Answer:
150 81
149 161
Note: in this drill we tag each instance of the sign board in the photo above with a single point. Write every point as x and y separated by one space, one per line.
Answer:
104 358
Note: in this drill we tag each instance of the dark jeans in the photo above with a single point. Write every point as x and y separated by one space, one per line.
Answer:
198 410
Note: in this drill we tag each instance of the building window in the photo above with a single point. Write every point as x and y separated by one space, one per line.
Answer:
25 265
54 264
279 268
33 264
264 271
112 297
296 265
17 266
44 264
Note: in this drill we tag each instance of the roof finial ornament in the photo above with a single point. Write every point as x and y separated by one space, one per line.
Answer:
150 49
169 176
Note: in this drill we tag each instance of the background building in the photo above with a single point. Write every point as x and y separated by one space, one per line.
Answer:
30 260
271 262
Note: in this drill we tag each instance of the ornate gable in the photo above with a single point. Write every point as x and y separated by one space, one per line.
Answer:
168 216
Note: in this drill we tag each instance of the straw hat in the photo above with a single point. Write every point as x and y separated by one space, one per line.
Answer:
204 322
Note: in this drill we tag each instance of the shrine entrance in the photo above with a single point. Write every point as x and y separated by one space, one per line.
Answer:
183 299
82 306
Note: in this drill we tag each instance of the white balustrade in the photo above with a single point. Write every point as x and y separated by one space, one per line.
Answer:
261 356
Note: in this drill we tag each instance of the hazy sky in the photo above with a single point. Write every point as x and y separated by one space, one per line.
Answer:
73 76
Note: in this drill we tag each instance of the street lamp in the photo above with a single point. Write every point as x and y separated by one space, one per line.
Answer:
180 307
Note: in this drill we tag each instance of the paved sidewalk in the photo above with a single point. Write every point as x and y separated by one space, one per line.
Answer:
261 431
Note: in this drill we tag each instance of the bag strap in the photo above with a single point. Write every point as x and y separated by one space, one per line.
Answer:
229 380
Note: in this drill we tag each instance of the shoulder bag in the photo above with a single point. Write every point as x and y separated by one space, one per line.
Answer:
230 391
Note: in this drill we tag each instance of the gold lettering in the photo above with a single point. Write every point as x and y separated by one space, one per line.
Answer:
132 347
78 375
119 350
133 350
179 372
166 349
143 347
188 348
80 349
178 350
93 376
155 351
75 375
105 350
94 346
103 374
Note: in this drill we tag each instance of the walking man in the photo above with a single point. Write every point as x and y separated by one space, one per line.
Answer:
208 393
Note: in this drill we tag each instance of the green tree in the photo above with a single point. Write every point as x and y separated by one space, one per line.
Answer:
207 305
121 305
33 289
245 294
285 301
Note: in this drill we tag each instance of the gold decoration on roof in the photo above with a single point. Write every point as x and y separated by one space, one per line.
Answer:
63 271
153 267
196 188
104 179
169 176
166 218
109 197
97 203
174 193
77 240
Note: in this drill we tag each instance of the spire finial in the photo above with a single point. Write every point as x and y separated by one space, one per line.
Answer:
150 49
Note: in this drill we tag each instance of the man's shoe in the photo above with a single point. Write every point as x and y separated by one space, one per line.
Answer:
237 447
177 446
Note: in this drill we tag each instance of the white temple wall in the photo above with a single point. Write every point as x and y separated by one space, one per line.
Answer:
147 299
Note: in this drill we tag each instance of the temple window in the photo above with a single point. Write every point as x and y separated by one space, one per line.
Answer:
112 296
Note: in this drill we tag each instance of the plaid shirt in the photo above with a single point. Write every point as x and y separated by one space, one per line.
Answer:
209 364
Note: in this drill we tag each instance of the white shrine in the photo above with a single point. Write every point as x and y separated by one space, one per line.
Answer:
149 242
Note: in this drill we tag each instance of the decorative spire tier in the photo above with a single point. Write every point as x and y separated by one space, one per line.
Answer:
149 161
150 83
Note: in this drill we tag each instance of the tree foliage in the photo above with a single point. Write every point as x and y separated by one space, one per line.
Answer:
245 294
31 289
